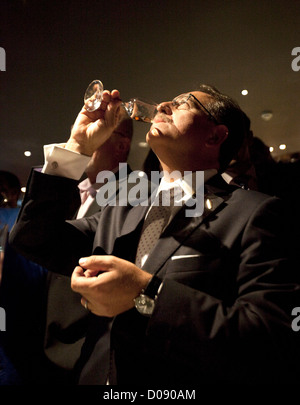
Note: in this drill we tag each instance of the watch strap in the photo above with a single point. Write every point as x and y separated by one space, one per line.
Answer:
152 287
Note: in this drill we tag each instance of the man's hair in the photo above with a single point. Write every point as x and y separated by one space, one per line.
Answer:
10 180
227 112
10 188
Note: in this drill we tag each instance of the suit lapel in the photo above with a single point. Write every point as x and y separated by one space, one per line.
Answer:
133 218
93 208
179 229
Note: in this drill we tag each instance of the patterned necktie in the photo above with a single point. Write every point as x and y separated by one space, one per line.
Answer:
154 223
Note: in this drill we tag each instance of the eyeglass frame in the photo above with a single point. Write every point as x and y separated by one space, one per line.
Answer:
203 106
199 102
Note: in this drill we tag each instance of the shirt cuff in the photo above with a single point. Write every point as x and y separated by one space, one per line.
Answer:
64 162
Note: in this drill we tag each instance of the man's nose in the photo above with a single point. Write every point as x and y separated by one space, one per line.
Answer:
165 107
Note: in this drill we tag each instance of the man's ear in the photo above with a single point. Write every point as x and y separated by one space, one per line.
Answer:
217 136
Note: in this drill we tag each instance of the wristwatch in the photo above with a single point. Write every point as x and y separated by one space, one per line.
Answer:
145 302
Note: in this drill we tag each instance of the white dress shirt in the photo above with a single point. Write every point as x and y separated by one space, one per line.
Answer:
64 162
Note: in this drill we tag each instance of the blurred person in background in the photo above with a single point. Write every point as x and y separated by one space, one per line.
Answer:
10 191
66 320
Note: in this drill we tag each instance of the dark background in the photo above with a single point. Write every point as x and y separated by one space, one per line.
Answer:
155 49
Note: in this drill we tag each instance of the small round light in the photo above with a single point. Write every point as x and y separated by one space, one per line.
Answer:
27 153
271 149
266 115
143 144
282 146
23 189
244 92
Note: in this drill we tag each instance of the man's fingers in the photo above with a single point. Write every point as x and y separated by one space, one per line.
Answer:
100 263
106 98
78 271
115 94
79 282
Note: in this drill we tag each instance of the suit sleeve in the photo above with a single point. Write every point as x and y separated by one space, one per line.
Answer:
44 232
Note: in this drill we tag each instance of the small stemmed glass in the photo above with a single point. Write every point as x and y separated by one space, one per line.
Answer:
137 109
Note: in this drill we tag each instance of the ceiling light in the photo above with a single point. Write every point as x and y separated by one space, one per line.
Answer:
23 189
27 153
244 92
266 115
271 149
282 146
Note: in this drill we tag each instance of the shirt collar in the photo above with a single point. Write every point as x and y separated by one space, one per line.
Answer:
185 187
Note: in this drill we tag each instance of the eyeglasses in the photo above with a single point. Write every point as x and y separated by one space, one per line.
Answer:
199 102
179 101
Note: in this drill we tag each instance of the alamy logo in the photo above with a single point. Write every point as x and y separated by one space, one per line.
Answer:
296 320
2 60
2 319
296 61
136 189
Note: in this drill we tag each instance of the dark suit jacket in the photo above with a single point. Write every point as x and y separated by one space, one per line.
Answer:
67 325
224 311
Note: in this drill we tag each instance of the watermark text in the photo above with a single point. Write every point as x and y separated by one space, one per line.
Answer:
135 188
296 321
296 61
132 396
2 320
2 60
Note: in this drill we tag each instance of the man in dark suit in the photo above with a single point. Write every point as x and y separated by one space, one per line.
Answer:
211 302
66 320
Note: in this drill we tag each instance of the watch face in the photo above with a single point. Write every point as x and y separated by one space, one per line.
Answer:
144 304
